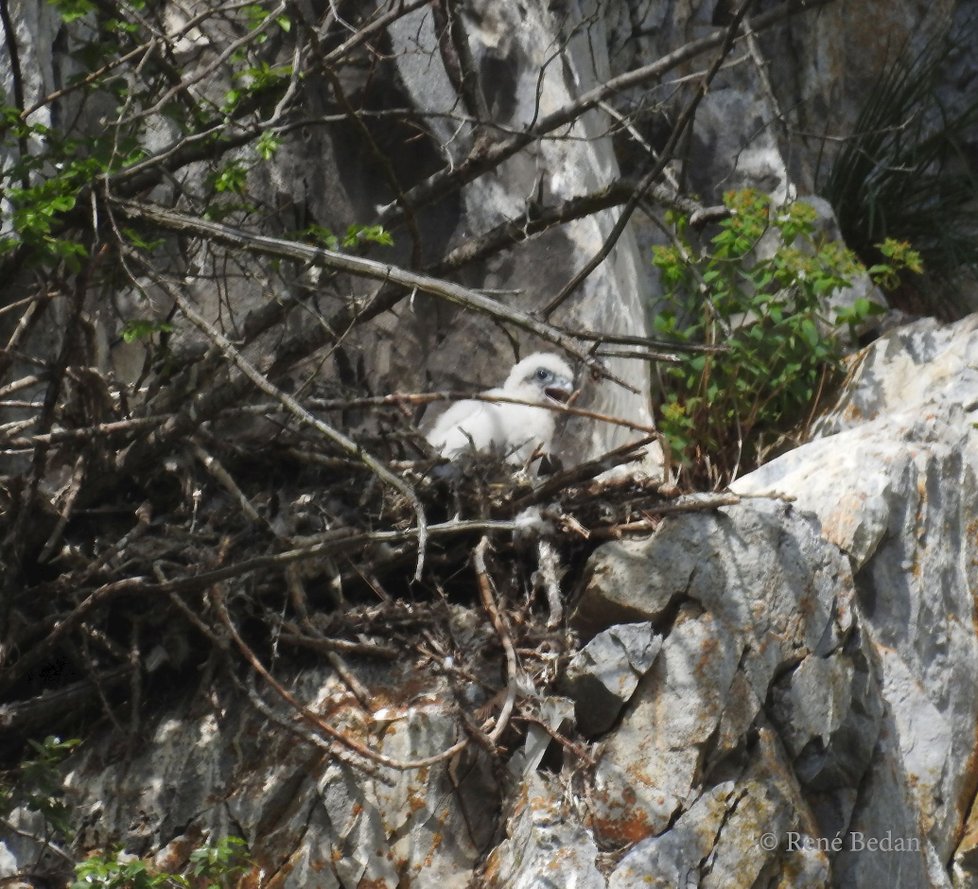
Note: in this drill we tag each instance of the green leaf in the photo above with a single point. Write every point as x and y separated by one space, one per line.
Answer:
232 178
70 10
360 234
267 144
141 328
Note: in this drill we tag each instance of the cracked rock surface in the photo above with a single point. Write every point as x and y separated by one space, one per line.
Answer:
810 715
776 693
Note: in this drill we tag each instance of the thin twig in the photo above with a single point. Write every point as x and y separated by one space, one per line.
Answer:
645 526
505 638
535 220
346 444
22 383
548 576
74 487
365 32
292 636
579 750
626 453
363 267
333 748
217 597
678 130
424 398
223 477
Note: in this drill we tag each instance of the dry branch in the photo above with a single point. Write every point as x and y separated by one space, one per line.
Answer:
683 122
315 721
505 639
27 718
442 183
362 267
345 443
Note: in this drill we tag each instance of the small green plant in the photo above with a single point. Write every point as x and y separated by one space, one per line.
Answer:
356 237
213 865
143 328
36 783
219 862
118 871
232 177
767 348
69 10
43 187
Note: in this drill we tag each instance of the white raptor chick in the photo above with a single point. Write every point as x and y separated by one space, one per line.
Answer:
513 430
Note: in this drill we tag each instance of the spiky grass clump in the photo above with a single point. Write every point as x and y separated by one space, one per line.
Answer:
906 172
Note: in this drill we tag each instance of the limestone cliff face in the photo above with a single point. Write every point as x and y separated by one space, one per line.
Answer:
776 691
814 690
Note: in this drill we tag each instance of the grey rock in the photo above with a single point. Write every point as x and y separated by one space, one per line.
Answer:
758 592
891 480
546 846
675 857
602 676
304 814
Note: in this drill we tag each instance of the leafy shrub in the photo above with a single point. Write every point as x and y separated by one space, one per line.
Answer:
769 350
212 865
36 783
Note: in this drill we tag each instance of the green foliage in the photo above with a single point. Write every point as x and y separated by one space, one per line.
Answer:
321 236
36 783
43 186
267 145
119 872
219 862
254 81
232 177
70 10
768 348
905 173
356 237
143 328
51 174
137 239
213 865
256 15
898 255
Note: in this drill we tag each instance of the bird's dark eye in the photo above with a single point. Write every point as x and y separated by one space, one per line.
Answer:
543 374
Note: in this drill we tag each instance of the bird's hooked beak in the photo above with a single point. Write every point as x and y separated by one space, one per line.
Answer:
560 392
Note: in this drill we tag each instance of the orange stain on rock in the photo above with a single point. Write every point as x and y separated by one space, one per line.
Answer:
623 831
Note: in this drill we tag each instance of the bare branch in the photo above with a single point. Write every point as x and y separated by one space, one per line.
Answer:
343 442
439 184
366 268
540 219
679 128
313 719
366 32
505 638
